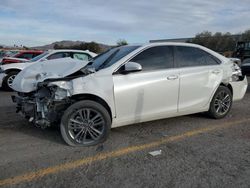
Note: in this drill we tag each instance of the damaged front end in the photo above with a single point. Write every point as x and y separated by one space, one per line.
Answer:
44 89
45 106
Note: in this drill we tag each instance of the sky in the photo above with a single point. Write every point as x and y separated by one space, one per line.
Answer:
39 22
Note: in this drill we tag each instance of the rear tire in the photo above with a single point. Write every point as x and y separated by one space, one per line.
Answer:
85 123
221 103
8 80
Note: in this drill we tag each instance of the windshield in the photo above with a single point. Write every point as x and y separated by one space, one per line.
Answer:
39 57
11 53
111 56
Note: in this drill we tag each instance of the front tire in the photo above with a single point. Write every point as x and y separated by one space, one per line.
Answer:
85 123
221 103
8 80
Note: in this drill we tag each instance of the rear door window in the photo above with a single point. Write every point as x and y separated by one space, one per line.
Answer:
191 57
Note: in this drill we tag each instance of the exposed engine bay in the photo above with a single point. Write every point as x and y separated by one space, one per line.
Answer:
45 105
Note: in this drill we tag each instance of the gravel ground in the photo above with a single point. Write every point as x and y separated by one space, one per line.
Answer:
217 158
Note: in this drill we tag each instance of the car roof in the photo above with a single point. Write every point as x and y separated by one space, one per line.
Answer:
172 44
30 51
68 50
166 43
152 44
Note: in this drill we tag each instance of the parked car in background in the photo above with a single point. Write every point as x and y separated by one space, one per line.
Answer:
242 50
246 67
8 72
127 85
10 53
2 54
21 56
7 53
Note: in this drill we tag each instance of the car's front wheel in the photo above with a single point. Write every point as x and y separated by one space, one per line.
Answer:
221 103
8 80
85 123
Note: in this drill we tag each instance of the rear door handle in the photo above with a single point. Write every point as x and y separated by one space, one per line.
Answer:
216 71
172 77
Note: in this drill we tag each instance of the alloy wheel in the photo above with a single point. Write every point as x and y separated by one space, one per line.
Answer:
86 126
222 103
10 80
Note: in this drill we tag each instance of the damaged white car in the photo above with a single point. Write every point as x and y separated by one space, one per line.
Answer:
127 85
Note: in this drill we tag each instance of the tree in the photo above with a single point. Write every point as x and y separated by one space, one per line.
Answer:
218 42
121 42
93 46
25 47
57 46
246 35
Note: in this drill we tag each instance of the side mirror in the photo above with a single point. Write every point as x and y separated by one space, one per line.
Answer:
132 67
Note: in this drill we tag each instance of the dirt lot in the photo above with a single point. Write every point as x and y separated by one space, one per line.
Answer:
196 152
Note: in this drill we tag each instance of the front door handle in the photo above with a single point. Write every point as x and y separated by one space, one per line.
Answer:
172 77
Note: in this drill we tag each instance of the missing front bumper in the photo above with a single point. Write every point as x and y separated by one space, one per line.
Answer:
42 112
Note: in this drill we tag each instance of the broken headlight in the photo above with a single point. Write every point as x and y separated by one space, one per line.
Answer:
62 89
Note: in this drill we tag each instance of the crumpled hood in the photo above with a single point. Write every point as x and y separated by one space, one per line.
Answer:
26 81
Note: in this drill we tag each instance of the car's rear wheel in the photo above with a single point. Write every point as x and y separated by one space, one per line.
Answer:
85 123
8 80
221 103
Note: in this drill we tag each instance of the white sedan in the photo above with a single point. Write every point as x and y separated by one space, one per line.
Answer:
9 71
127 85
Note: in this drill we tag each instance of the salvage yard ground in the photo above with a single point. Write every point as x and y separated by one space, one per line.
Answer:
195 152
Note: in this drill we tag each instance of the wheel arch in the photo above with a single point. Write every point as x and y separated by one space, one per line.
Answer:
95 98
228 85
12 70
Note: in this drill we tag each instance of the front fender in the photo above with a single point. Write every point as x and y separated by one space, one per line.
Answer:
101 86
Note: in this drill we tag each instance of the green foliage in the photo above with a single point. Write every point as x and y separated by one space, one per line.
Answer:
91 46
220 42
246 35
57 46
25 47
121 42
